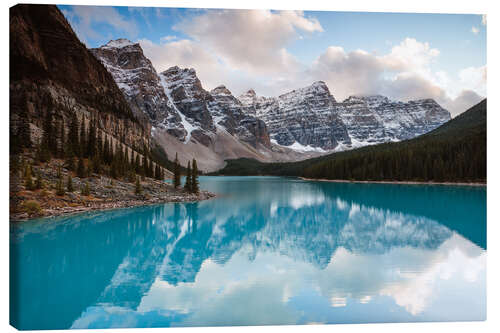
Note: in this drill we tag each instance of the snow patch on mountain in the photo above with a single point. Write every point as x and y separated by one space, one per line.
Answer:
118 43
300 148
185 123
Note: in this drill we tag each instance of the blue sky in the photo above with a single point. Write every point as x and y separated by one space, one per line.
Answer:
403 56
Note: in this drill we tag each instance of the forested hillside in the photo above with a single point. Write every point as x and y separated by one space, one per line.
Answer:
454 152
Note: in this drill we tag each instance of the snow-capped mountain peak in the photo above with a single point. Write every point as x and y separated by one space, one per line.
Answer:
118 43
221 90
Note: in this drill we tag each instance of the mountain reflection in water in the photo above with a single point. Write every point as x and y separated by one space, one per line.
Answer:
268 250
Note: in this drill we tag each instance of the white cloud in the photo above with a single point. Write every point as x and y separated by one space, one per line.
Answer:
474 30
465 100
411 55
166 39
182 53
405 73
245 49
473 78
83 17
402 74
251 40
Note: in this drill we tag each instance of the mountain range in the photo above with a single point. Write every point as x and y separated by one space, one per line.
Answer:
53 73
216 126
453 152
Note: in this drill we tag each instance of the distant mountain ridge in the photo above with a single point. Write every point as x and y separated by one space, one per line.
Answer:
312 117
305 121
453 152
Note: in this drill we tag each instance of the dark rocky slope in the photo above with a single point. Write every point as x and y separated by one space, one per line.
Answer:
51 71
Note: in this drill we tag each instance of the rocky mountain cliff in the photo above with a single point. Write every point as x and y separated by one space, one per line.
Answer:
305 116
376 119
52 72
310 118
137 79
175 100
306 120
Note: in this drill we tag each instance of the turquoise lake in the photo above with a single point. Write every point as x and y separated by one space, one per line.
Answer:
267 250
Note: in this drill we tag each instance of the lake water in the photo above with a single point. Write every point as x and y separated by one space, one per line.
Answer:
267 250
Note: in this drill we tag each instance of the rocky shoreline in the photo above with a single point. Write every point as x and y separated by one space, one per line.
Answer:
112 204
391 182
104 193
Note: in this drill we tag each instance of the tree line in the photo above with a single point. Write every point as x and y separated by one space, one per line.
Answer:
191 183
85 149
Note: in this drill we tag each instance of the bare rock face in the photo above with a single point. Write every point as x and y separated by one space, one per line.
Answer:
376 119
306 116
306 119
184 90
137 79
142 87
51 71
227 113
311 118
175 100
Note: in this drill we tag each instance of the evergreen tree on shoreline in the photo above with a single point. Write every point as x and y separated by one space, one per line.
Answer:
80 169
69 183
177 172
28 181
195 188
59 186
138 187
188 185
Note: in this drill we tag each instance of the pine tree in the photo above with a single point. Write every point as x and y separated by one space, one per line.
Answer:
144 166
177 172
138 187
157 172
48 142
91 139
38 181
42 153
69 183
137 164
113 170
99 141
59 186
96 163
188 185
83 139
28 181
85 190
14 164
73 140
23 129
89 169
194 178
80 171
62 136
70 163
105 150
126 164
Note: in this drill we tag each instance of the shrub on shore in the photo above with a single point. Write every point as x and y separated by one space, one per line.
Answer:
32 207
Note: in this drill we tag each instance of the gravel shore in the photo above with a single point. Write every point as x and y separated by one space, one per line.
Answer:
391 182
105 193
